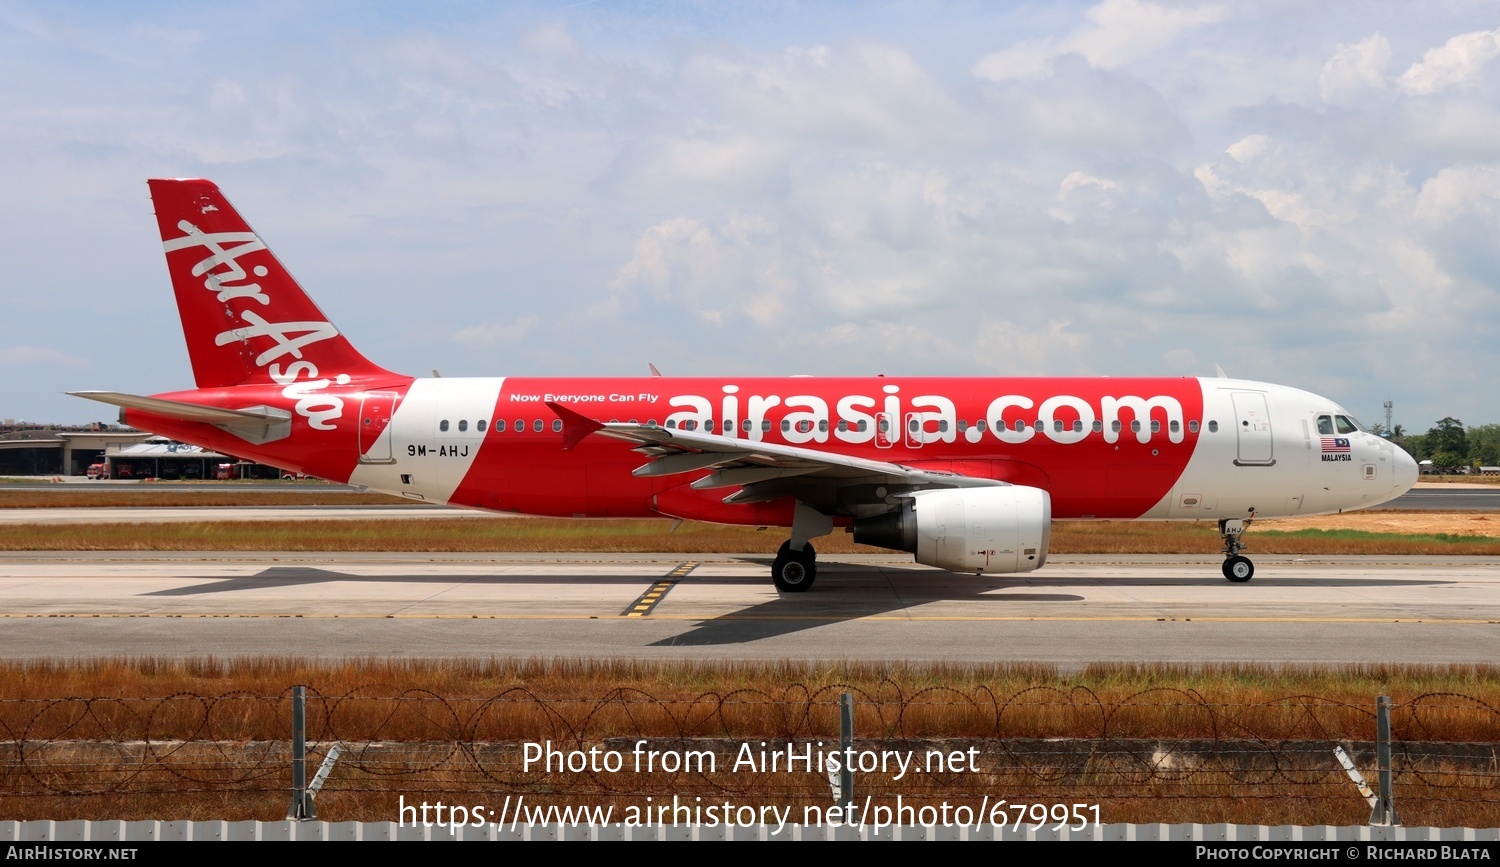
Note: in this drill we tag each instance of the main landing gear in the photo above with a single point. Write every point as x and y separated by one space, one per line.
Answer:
797 563
794 571
1237 568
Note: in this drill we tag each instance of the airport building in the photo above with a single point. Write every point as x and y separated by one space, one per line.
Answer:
124 453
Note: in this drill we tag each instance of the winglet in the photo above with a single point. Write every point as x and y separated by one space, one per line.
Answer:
575 426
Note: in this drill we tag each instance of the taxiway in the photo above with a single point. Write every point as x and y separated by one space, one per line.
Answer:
1080 609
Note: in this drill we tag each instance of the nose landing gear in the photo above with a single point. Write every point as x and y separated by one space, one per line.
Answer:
1237 568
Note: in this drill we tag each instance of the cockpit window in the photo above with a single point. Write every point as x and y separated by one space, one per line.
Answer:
1325 425
1345 424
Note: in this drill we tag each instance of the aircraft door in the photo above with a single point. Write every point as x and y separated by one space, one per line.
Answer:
375 411
1252 424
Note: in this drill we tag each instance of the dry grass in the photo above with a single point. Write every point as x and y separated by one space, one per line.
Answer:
452 731
480 535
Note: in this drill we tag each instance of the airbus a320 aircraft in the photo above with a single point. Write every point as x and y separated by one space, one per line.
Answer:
967 474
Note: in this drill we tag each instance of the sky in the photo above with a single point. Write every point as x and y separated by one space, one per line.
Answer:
1300 193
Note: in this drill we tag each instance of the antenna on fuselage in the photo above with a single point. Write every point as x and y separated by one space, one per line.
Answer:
654 371
1220 371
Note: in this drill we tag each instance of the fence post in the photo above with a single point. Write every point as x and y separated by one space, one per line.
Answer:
302 808
846 748
1385 807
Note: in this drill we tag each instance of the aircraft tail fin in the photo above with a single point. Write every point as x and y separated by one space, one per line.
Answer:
246 320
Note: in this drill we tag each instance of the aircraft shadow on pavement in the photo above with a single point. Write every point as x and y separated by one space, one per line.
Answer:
304 576
842 593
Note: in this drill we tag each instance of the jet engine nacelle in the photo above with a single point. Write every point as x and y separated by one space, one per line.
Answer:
980 530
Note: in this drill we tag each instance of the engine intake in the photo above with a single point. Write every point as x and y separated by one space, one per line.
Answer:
992 530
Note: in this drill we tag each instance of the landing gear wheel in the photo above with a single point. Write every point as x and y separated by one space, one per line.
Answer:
1239 569
794 571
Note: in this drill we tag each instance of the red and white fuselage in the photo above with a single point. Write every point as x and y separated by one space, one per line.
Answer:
278 383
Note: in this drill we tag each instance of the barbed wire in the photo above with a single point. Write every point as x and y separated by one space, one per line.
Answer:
1162 742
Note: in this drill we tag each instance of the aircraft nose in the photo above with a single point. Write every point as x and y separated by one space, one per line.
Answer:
1406 471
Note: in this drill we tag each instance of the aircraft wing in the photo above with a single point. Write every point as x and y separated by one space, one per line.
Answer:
765 471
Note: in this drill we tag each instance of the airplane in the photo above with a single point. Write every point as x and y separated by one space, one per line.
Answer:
966 474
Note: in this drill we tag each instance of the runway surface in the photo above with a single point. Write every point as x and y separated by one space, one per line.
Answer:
1077 610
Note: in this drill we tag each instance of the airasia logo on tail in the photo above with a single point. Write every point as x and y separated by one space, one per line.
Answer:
228 280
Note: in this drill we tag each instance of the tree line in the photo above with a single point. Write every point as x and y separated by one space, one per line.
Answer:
1449 445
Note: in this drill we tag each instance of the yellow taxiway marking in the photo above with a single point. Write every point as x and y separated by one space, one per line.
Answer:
653 597
819 618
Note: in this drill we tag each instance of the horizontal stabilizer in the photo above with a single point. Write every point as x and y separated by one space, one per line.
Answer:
256 424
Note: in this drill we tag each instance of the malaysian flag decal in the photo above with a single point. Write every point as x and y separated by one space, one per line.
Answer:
1335 444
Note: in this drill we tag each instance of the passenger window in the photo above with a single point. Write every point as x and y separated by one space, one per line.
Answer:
1213 427
443 425
1135 426
1115 425
537 425
863 425
1019 425
1155 426
557 425
745 425
1057 425
765 425
823 425
1174 425
979 425
884 426
1098 426
786 425
499 425
690 424
728 425
672 423
520 425
479 425
1078 425
1193 426
962 425
463 424
942 425
914 425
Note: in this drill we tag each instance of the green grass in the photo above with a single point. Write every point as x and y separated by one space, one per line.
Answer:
1388 538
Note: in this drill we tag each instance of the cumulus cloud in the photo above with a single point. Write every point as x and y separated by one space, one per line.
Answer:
1458 61
1356 68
